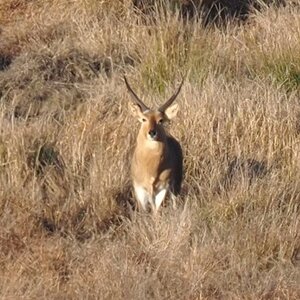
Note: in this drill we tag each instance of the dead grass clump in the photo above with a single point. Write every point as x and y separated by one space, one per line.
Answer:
209 11
12 9
45 155
42 79
239 169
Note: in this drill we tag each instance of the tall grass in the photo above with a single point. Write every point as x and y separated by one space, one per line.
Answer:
68 223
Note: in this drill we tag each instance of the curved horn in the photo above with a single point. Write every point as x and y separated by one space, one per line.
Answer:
171 100
135 97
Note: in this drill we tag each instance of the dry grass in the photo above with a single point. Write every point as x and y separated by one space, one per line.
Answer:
68 227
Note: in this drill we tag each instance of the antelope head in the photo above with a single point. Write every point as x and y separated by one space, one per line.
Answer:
152 121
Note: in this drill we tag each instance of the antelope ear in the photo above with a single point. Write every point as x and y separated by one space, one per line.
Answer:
135 109
172 111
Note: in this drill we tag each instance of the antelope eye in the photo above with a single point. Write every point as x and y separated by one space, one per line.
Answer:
144 120
160 121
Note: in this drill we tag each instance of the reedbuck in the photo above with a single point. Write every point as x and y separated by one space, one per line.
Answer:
156 167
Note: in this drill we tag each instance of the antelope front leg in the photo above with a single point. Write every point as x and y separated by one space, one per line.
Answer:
142 196
159 198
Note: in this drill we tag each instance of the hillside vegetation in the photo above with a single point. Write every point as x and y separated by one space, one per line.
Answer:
69 228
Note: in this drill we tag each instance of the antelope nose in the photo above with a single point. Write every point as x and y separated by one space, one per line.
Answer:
152 133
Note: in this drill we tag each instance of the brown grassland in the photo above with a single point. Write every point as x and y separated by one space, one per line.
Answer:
68 224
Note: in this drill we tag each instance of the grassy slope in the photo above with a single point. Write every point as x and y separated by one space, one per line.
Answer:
66 139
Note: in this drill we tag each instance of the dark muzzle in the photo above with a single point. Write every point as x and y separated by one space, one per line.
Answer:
152 133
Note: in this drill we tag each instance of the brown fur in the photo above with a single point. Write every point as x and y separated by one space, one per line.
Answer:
157 160
156 164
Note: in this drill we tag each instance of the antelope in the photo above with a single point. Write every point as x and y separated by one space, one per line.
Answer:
156 166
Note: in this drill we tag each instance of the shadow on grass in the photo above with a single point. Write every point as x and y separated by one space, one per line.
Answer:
211 12
5 62
239 170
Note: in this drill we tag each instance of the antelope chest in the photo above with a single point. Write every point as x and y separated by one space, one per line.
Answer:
151 177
